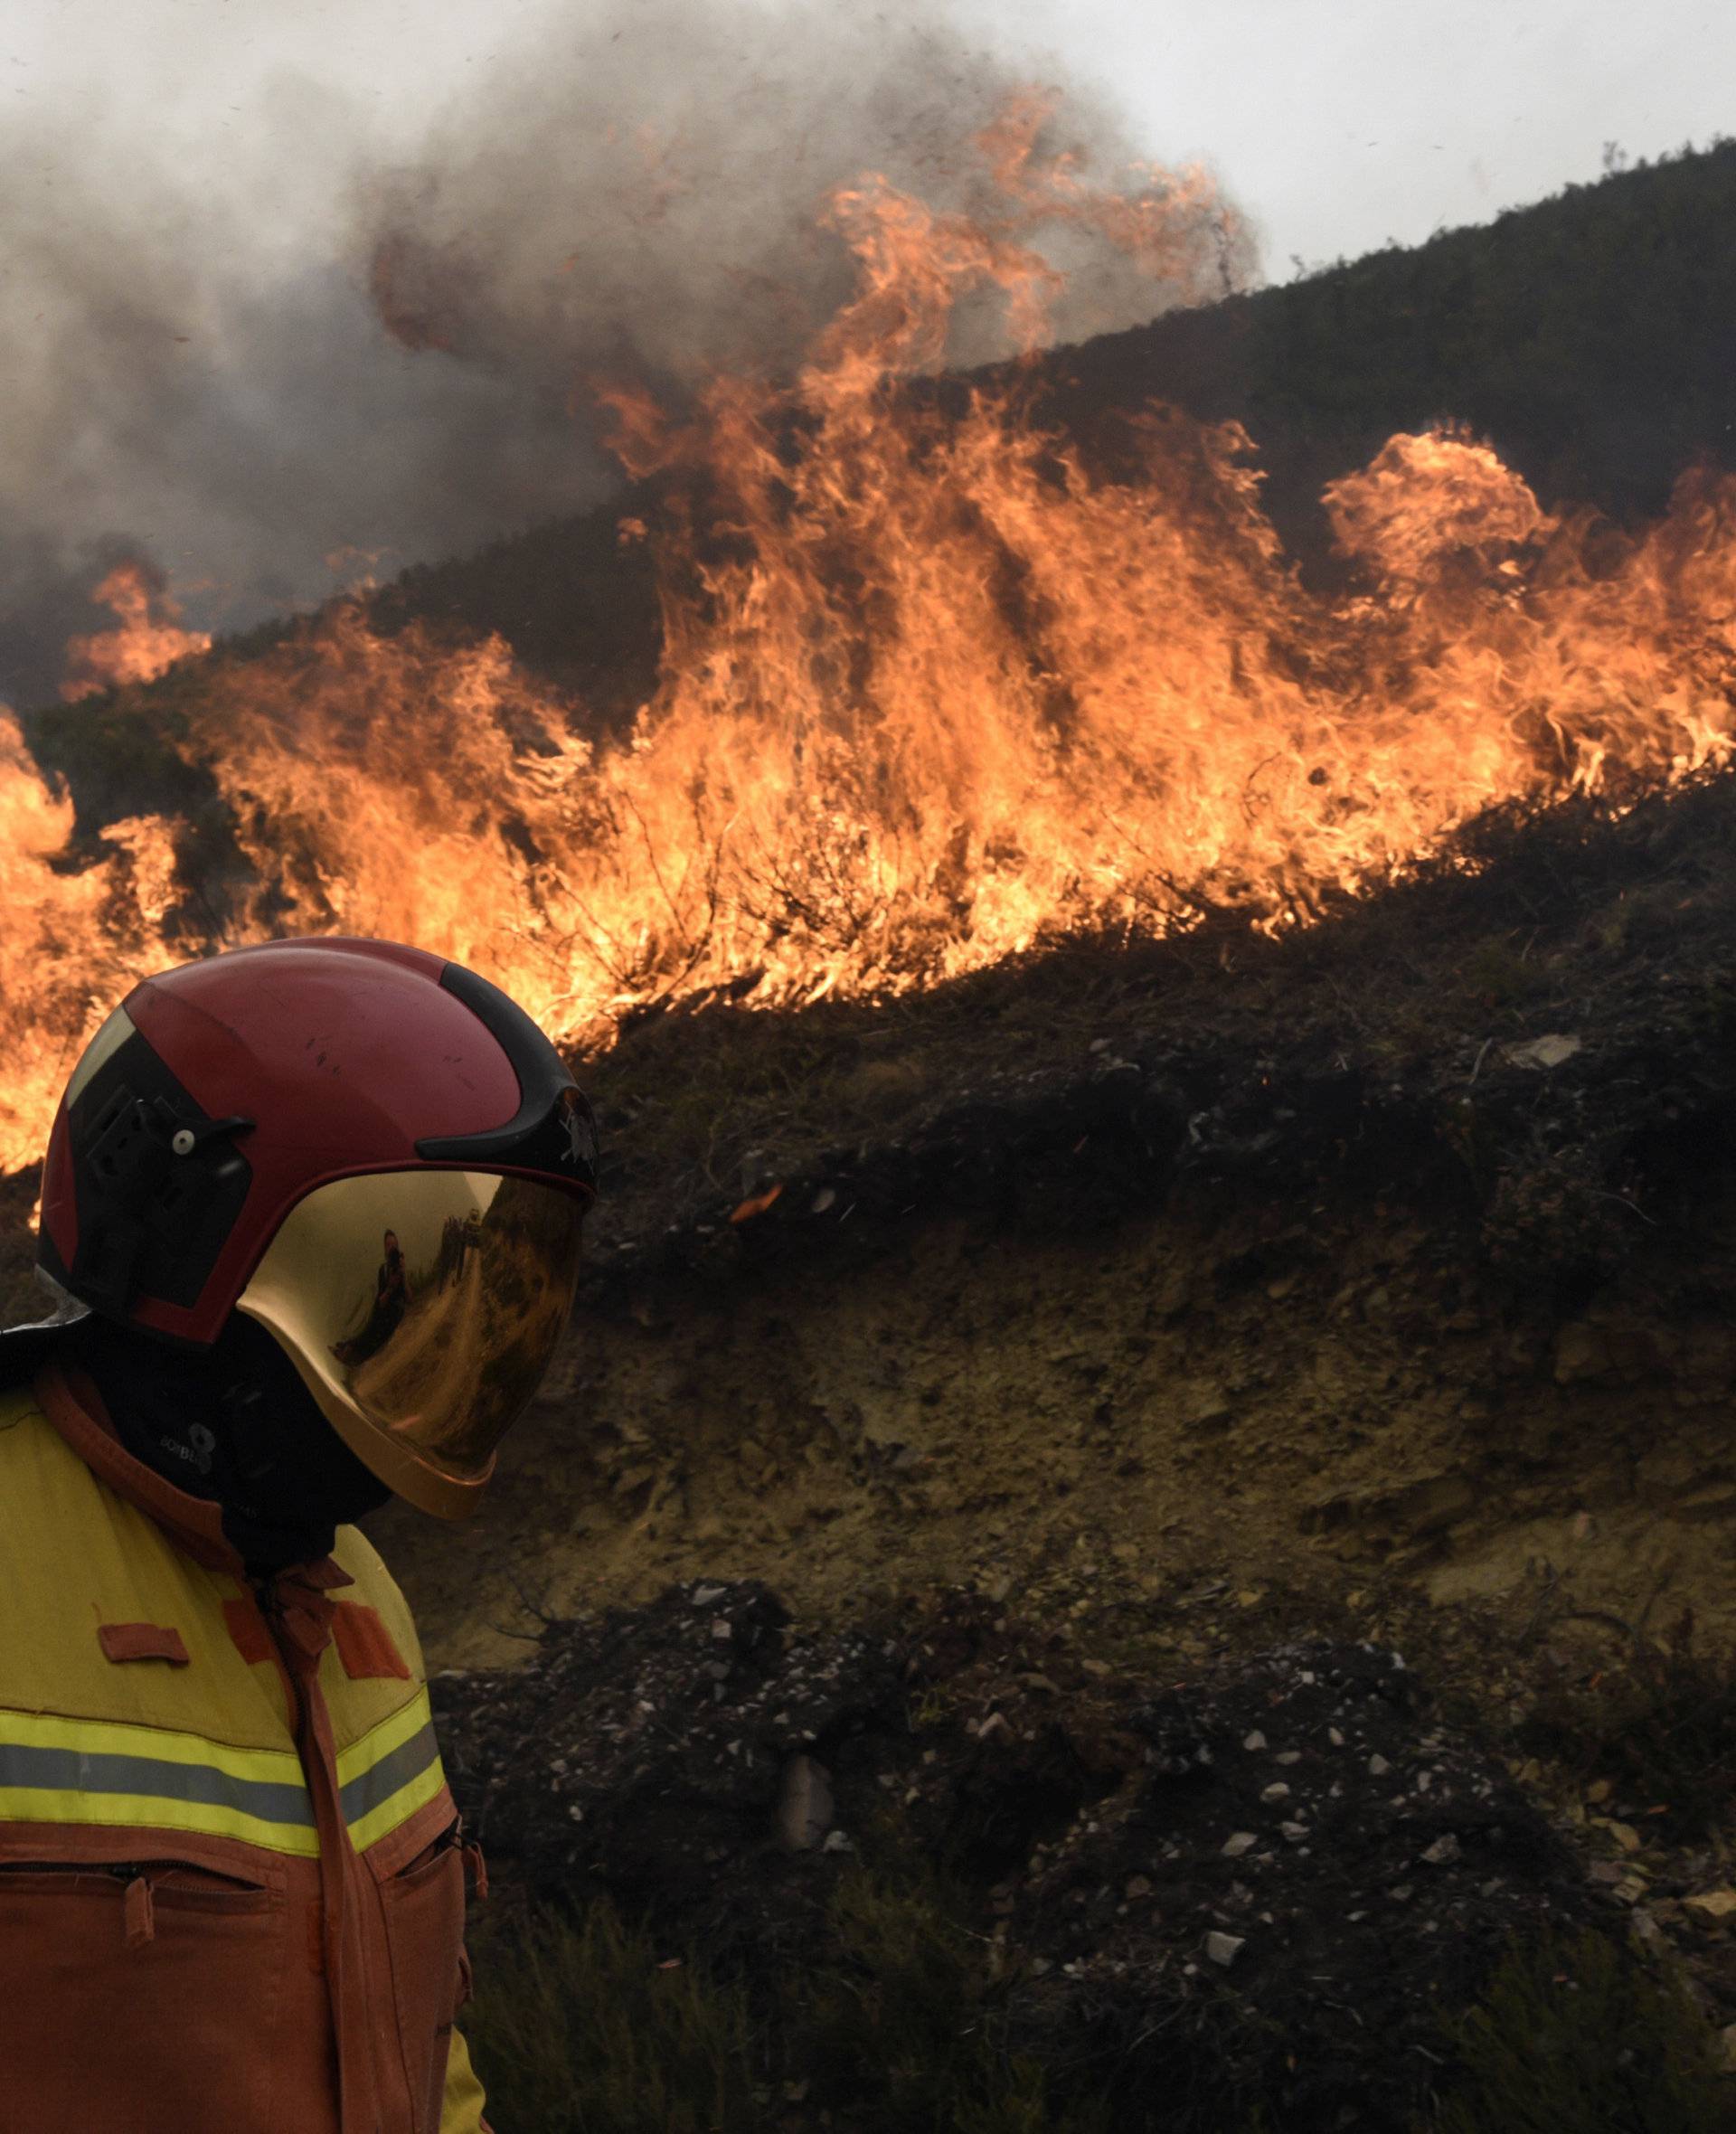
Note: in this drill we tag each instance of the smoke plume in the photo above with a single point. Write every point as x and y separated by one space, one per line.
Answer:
232 366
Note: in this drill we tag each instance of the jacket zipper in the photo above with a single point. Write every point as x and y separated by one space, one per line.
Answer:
307 1749
265 1594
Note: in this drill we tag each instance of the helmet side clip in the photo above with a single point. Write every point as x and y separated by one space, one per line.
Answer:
154 1174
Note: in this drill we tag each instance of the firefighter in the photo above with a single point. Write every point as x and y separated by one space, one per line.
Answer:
233 1879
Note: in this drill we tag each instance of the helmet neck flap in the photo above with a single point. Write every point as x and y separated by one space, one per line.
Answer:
233 1424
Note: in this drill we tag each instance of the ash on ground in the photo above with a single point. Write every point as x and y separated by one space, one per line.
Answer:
1270 1880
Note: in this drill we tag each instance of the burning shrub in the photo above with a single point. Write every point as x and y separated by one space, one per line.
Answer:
934 690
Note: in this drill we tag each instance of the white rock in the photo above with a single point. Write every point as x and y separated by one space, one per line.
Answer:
1279 1792
1443 1851
1224 1949
1545 1052
1238 1843
1254 1741
1378 1767
804 1805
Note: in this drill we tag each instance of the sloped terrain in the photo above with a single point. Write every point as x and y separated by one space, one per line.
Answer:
1394 1234
1372 1284
1590 337
1162 1322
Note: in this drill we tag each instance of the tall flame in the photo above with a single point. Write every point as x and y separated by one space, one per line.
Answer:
933 690
147 640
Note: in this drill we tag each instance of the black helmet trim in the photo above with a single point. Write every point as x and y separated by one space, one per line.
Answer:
159 1181
553 1131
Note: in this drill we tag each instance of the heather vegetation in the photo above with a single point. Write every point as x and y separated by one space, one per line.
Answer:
585 2024
585 2030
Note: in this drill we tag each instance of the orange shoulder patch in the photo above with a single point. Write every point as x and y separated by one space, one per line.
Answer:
142 1641
365 1644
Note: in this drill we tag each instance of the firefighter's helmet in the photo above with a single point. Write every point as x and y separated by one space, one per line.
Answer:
372 1151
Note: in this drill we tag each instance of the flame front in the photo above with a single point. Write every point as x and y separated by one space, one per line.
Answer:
933 691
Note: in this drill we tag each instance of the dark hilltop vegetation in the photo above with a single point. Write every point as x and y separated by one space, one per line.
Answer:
1146 1539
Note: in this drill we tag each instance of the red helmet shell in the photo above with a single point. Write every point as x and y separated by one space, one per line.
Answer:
343 1053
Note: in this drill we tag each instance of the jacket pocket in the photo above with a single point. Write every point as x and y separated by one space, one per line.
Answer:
139 1991
423 1905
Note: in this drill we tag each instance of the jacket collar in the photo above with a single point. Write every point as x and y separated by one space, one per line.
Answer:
70 1400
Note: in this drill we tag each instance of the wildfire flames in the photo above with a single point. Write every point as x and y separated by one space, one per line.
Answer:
932 690
148 637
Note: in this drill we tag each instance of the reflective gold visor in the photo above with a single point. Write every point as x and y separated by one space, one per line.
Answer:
422 1308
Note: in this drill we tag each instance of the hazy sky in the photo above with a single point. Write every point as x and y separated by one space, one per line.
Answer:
1337 123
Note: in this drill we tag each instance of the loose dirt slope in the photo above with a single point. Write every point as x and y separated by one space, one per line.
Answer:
1398 1250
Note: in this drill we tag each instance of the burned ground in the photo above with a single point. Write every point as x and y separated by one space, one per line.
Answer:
1531 1044
1189 1300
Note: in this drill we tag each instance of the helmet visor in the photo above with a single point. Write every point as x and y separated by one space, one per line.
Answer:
422 1309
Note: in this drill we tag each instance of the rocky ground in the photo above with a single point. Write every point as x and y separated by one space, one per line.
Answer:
1265 1884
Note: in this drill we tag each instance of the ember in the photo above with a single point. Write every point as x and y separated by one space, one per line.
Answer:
934 690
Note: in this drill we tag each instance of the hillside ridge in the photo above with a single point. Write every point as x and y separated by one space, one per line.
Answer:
1590 337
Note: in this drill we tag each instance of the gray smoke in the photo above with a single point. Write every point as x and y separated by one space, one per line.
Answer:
324 351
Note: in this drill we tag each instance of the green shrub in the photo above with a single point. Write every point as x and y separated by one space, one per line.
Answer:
576 2029
905 2023
1582 2038
1660 1727
897 2027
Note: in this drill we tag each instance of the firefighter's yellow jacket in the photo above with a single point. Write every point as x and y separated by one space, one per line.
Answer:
231 1877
